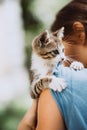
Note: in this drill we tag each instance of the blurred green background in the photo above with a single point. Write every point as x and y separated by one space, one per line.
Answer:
36 16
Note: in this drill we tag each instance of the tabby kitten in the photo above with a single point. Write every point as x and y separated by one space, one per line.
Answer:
47 51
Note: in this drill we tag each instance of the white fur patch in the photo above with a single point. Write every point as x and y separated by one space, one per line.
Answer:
77 65
57 84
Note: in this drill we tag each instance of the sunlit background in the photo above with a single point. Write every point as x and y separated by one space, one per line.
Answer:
20 22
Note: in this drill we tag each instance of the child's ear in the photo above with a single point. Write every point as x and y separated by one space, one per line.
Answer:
79 32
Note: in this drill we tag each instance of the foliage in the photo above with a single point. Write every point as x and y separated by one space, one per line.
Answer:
30 21
32 26
10 118
28 56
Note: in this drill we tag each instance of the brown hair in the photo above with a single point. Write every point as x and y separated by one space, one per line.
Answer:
76 10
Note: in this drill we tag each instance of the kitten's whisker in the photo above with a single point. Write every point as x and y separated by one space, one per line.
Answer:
70 59
66 37
73 55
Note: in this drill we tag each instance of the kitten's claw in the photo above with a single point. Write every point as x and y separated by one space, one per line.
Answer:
77 65
57 84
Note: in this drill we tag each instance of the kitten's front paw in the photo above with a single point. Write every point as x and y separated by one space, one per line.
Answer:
57 84
77 65
39 86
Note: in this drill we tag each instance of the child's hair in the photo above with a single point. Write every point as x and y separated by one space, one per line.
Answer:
76 10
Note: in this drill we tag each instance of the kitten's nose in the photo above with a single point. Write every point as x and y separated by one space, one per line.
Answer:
62 59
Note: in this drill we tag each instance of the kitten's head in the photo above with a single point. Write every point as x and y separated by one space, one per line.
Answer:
48 45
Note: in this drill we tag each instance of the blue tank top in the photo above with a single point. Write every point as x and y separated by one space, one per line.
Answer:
72 101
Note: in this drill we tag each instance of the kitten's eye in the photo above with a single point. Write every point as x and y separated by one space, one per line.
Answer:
55 51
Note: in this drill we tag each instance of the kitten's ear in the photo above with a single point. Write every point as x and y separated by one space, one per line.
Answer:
44 38
59 33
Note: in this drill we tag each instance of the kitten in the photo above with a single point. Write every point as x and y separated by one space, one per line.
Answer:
47 51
